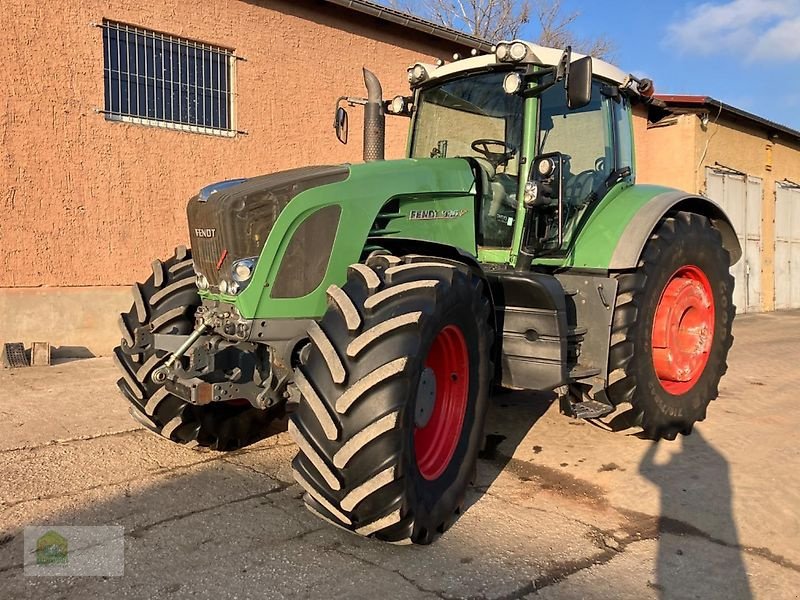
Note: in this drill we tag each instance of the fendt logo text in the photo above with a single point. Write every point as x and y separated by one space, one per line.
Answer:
205 233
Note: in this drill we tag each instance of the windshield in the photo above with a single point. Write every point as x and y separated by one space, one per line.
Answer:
452 116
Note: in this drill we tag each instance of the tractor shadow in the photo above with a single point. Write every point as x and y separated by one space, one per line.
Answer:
695 505
510 418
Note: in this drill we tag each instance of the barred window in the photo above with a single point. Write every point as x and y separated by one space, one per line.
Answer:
163 80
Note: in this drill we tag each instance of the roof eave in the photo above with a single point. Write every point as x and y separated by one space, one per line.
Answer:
689 102
406 20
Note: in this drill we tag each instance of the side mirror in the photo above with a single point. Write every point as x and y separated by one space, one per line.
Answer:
579 83
340 124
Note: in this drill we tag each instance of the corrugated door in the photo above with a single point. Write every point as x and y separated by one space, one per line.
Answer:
741 198
787 246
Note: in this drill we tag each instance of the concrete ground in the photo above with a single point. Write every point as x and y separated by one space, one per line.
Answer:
562 509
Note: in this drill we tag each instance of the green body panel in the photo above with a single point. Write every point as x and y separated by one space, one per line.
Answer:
442 217
361 196
530 145
598 237
494 255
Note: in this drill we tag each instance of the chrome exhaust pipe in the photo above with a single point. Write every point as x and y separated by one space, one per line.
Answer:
374 119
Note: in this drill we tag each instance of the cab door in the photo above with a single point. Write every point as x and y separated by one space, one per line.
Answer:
595 143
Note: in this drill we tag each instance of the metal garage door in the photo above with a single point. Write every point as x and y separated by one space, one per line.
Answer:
740 196
787 246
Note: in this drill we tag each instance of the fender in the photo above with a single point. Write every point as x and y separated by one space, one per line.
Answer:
614 235
637 232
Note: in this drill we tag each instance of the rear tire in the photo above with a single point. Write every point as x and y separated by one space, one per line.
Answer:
383 453
685 250
166 302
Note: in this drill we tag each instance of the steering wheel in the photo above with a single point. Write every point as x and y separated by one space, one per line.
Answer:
482 146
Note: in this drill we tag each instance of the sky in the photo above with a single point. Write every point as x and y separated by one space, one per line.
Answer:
743 52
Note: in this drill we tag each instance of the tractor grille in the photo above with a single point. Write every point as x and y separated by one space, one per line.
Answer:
207 254
234 222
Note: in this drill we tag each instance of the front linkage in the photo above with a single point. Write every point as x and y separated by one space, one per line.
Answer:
208 366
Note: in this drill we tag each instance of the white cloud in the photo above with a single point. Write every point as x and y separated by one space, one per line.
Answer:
753 29
783 40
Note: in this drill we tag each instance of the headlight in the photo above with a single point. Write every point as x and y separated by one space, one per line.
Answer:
545 167
417 74
501 52
531 193
228 288
202 282
242 270
397 105
511 52
512 83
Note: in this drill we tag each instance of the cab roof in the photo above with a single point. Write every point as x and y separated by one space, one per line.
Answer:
540 55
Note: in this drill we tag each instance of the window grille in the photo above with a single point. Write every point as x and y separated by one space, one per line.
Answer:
163 80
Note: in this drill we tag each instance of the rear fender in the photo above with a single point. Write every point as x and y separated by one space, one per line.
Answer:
617 230
635 235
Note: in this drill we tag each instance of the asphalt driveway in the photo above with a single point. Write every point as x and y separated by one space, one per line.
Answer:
561 508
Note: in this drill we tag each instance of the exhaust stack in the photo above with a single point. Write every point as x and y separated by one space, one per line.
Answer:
374 119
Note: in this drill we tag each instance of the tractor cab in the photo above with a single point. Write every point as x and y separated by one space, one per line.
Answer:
548 142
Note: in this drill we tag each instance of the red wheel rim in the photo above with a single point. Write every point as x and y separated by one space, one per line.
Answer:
435 443
683 330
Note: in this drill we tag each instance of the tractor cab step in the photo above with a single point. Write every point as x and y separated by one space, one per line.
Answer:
580 371
577 331
589 409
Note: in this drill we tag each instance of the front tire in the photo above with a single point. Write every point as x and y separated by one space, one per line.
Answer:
394 396
166 303
671 330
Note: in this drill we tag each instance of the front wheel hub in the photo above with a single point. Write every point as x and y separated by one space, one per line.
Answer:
683 329
441 404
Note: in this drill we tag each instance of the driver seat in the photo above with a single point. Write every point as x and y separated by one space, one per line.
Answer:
496 189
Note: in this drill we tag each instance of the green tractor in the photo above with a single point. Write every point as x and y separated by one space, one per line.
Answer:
379 304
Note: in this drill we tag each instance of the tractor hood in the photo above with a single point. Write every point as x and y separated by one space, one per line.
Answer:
303 227
231 220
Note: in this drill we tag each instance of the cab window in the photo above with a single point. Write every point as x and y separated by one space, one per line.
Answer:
583 136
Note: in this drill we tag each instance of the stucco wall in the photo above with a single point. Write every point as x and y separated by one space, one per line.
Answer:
678 153
752 152
88 202
665 155
77 321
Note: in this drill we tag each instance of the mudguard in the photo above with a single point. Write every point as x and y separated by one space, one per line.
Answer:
637 232
615 234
